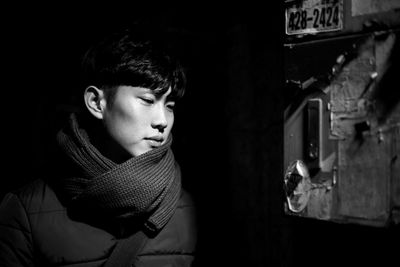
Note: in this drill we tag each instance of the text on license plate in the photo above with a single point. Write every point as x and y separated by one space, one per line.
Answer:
320 16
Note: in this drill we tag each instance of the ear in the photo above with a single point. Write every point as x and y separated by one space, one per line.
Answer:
95 101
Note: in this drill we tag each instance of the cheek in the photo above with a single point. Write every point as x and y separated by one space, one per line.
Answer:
132 124
171 120
129 113
125 122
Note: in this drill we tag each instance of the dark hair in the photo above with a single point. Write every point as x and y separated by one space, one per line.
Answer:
136 58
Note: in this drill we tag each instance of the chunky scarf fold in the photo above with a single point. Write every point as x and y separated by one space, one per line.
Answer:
144 186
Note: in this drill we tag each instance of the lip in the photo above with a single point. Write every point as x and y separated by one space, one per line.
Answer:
155 141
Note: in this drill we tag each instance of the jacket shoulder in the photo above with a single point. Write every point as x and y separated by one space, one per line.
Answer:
38 196
49 223
16 247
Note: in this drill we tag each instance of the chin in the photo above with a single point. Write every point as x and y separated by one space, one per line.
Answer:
140 152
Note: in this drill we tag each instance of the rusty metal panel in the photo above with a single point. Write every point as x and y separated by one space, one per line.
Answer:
358 177
364 176
349 99
364 154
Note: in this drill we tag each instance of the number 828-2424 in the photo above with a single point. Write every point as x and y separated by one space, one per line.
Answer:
314 20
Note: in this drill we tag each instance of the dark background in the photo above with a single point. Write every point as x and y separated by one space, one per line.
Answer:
228 136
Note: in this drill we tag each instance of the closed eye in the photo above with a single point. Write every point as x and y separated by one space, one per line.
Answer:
147 101
170 105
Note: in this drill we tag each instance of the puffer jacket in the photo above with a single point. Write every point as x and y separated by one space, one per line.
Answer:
36 229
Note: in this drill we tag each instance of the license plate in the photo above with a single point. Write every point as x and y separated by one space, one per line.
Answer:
314 16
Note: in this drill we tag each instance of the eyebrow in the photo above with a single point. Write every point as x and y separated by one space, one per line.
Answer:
158 93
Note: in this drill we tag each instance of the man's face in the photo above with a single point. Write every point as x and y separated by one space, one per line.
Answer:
138 120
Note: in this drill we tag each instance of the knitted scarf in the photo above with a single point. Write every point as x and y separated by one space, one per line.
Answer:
144 186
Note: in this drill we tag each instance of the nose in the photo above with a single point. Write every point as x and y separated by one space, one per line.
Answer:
159 120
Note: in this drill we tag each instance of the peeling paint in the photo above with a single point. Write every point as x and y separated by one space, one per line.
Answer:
365 7
348 92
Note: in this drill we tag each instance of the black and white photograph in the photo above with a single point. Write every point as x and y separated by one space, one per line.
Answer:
200 134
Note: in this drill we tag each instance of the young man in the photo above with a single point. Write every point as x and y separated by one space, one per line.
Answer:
114 195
